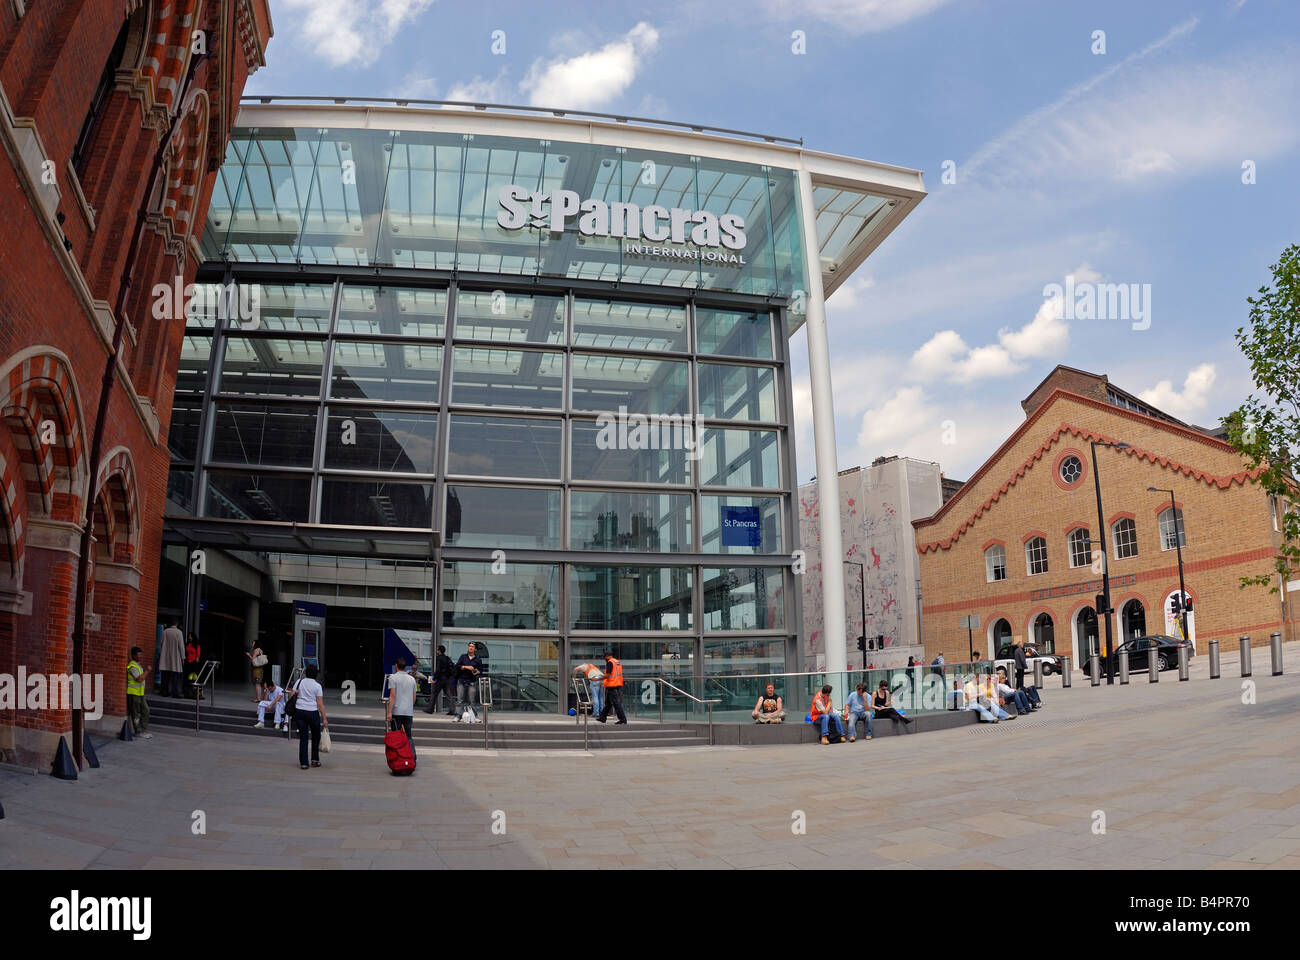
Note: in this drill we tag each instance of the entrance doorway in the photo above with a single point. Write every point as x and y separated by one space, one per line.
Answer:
1134 618
1085 633
999 636
1044 634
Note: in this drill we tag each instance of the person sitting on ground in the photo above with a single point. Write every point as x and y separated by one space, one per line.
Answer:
991 701
858 711
274 698
883 702
823 713
972 695
770 707
1006 692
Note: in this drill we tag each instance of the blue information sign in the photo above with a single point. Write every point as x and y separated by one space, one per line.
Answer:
741 527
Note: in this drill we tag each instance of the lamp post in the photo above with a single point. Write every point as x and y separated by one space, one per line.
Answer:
862 587
1105 559
1178 543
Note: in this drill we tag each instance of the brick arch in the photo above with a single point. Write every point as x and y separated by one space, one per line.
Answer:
40 389
167 52
117 506
13 510
184 178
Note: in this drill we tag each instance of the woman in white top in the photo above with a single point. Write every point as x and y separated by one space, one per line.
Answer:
309 711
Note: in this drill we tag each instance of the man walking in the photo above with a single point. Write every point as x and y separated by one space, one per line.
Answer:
171 661
442 683
136 707
613 684
401 701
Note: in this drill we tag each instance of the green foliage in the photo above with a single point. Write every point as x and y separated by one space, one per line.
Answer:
1266 428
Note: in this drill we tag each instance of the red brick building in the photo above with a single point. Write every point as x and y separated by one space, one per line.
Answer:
1018 544
114 116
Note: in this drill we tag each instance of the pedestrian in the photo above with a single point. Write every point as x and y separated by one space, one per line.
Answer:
595 678
443 683
258 659
192 661
309 712
275 699
137 707
171 660
401 701
613 684
1022 663
468 668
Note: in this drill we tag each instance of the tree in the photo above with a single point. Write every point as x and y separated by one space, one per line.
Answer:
1266 428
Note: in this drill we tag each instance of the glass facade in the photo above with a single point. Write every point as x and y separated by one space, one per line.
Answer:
595 439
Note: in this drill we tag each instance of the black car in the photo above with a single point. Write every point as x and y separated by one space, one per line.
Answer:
1139 648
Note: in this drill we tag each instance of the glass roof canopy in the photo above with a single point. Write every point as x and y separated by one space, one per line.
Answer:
400 187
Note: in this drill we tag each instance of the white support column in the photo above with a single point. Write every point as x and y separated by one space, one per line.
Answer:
823 411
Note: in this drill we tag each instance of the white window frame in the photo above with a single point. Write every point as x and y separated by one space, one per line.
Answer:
1029 556
1116 539
1178 522
1078 559
991 566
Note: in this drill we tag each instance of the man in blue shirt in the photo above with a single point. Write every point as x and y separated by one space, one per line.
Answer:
859 711
468 669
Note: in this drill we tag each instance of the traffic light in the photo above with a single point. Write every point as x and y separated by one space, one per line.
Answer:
880 641
1187 607
1176 604
862 644
1100 605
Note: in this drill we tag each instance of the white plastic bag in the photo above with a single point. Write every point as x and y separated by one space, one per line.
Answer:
325 740
469 716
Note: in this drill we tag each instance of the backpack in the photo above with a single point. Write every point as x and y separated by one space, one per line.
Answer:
398 753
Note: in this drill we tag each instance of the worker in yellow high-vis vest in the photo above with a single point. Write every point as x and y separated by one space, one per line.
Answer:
136 707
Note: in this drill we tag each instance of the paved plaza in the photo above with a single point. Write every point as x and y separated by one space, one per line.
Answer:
1185 775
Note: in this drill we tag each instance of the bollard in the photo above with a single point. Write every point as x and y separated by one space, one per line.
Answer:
1214 660
1094 669
1244 643
1275 642
1184 663
1153 662
1123 667
1038 674
1065 672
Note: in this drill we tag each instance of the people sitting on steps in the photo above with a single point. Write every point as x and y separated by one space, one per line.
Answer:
823 714
858 710
770 707
883 703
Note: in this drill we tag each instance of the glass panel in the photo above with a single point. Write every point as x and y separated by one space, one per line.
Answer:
497 315
642 385
744 598
640 658
752 524
264 435
737 393
350 164
245 496
740 458
403 311
187 403
393 441
505 447
366 503
630 598
524 597
596 458
738 333
631 326
626 520
487 376
749 656
259 367
501 517
402 372
291 307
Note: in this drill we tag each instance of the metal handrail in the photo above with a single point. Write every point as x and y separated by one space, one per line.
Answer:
690 696
616 117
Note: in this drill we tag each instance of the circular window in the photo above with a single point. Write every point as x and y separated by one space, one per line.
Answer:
1071 469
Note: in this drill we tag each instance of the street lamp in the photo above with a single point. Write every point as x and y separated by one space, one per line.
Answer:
862 586
1105 560
1178 542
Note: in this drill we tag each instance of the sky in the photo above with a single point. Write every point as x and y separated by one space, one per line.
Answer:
1154 144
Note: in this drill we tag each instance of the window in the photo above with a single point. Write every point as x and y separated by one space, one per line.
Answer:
1125 535
1036 556
1071 469
995 563
1080 547
89 126
1172 534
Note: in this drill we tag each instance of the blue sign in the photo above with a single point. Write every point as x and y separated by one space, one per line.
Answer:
741 527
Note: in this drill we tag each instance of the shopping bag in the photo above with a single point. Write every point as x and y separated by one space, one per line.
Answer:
325 740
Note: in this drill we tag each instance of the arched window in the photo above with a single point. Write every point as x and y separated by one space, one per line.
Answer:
1080 547
1172 533
1036 556
1125 535
995 563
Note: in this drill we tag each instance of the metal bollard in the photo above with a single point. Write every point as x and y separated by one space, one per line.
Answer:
1214 660
1244 643
1065 672
1153 663
1123 667
1038 674
1094 669
1184 663
1275 642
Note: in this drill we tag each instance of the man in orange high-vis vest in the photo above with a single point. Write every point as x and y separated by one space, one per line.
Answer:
613 689
823 714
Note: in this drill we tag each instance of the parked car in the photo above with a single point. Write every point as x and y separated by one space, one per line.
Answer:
1139 649
1007 658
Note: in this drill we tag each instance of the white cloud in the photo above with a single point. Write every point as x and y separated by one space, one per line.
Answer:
594 78
482 90
1193 398
905 414
347 32
857 16
1047 335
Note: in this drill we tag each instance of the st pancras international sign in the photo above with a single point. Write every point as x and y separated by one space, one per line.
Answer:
711 236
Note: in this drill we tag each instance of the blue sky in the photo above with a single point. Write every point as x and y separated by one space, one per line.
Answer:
1117 167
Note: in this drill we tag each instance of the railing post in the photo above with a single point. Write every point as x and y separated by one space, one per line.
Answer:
1214 660
710 723
660 681
1244 642
1275 643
